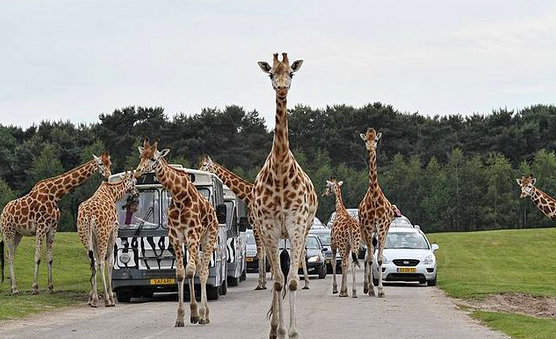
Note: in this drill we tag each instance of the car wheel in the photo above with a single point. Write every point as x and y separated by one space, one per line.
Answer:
243 275
233 281
212 292
224 287
123 295
322 273
432 282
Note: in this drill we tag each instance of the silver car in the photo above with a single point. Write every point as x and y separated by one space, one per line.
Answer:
408 256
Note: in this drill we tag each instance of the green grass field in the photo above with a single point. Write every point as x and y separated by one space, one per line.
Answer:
70 273
476 264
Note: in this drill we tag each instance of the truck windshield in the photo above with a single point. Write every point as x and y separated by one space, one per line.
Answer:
140 212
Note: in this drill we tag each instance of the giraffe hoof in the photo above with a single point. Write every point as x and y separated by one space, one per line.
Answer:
354 296
204 321
109 305
343 295
264 288
35 291
381 294
15 291
334 292
305 288
365 290
195 320
179 323
258 288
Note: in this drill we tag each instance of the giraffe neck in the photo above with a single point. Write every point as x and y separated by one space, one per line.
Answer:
241 187
544 202
340 207
115 190
170 178
373 179
281 143
64 183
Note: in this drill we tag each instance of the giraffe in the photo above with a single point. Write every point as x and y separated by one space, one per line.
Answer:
375 215
192 222
97 225
243 189
345 238
284 201
543 201
37 214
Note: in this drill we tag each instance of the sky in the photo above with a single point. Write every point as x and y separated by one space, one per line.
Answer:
73 60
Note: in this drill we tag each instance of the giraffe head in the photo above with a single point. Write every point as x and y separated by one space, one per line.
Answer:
207 164
527 185
331 186
149 157
129 183
103 164
371 138
281 73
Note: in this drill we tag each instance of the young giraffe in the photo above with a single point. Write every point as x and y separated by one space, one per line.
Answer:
97 227
345 237
192 222
243 189
375 215
543 201
37 214
284 201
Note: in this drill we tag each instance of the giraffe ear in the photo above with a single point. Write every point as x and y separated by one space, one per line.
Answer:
363 136
378 136
264 66
97 159
328 182
518 181
340 183
533 181
296 65
141 149
164 152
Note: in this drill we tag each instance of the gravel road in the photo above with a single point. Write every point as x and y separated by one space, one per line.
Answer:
409 311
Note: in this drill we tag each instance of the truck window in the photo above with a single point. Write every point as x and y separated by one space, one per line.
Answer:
140 212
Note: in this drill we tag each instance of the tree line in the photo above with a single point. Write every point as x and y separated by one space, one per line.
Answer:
446 173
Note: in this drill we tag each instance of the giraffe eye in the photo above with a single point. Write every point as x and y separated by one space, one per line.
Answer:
291 75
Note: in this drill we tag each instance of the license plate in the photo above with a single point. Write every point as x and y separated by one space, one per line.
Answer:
163 281
249 259
407 269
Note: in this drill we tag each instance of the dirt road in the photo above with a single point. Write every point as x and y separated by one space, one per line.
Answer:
409 311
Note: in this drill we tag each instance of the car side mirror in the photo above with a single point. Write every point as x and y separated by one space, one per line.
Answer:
221 213
434 247
243 222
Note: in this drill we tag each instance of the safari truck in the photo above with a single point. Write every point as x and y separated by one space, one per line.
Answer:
144 260
236 219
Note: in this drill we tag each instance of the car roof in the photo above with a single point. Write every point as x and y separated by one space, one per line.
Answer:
403 230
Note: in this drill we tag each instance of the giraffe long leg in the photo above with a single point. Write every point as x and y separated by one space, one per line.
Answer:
381 240
261 255
305 271
95 267
110 266
345 266
38 249
277 329
297 240
49 256
180 276
353 284
368 274
208 244
191 269
12 243
334 283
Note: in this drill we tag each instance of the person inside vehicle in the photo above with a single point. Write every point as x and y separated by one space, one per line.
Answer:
130 207
397 212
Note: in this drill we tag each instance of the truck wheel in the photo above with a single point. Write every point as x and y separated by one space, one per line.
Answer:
243 275
123 295
224 287
212 292
233 281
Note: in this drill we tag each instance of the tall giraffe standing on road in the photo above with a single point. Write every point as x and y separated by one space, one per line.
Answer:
543 201
37 214
97 225
243 189
284 201
345 238
192 222
375 215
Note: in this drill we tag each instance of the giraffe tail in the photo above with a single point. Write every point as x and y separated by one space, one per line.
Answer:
2 258
285 266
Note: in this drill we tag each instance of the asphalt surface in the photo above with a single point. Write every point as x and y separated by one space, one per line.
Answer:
408 311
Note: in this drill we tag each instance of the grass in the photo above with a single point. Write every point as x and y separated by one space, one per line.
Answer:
476 264
70 274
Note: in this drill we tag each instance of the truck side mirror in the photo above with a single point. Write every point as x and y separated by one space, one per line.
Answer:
221 213
243 224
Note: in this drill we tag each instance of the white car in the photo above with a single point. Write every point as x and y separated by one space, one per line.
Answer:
408 256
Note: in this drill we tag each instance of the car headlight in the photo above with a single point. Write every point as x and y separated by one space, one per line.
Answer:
429 259
385 259
315 258
125 258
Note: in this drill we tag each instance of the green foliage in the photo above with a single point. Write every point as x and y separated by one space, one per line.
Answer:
6 194
517 325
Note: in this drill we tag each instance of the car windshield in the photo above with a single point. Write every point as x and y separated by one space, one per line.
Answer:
324 238
406 241
249 239
312 243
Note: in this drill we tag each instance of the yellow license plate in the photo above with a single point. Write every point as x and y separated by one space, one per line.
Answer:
163 281
407 269
249 259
